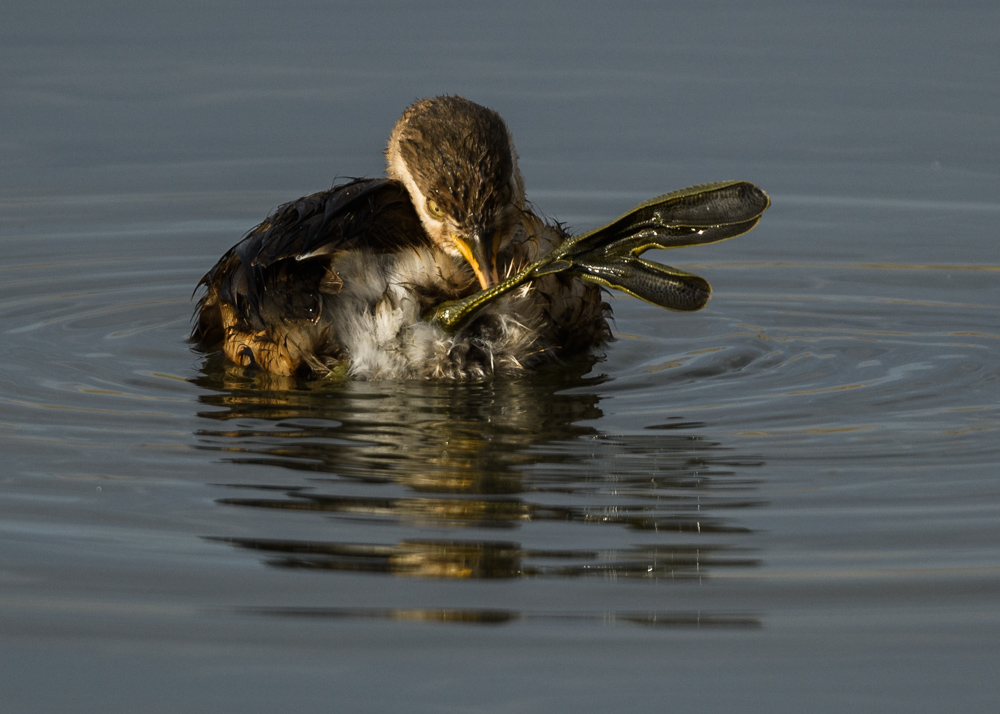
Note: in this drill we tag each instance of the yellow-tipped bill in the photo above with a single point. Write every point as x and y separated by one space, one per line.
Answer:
479 252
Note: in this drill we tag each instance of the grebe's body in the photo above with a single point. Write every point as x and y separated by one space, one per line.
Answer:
343 278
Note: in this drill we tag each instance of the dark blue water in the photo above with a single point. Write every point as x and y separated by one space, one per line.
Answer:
789 501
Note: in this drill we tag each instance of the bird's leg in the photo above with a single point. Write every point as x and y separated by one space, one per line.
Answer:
609 256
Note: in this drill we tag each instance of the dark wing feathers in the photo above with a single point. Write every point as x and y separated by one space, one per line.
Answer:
375 213
276 273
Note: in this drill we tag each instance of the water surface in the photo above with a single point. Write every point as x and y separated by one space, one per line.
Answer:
788 501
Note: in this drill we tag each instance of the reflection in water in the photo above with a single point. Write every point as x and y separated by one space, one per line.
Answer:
679 513
433 437
501 617
487 559
506 454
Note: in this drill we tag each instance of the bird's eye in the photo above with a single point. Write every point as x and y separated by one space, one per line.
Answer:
505 195
434 209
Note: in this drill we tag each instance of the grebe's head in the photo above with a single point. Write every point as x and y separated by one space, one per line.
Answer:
457 160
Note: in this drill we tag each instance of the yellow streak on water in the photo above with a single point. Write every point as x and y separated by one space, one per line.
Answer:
825 390
845 266
832 430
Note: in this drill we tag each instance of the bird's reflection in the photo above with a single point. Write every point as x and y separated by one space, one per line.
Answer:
493 559
473 616
434 437
418 457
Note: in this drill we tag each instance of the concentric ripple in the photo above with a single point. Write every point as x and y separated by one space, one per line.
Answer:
512 479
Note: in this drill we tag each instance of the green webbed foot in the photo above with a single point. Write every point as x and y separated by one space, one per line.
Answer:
652 282
697 215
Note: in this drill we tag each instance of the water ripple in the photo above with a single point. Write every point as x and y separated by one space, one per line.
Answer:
837 362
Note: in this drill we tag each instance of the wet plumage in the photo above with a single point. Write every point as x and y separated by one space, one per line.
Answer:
343 278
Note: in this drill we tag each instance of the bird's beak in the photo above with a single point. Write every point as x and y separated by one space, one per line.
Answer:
479 251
